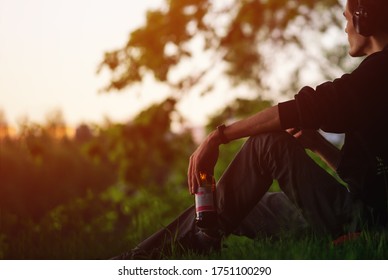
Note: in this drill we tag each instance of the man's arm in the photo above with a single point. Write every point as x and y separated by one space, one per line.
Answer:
205 156
264 121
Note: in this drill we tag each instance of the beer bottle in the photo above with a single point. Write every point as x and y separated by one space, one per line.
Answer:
205 203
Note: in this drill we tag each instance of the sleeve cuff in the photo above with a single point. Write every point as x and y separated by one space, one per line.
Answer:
288 114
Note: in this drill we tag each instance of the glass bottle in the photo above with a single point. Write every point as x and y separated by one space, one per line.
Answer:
205 203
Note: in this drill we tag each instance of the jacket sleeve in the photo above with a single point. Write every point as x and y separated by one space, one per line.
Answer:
355 100
300 112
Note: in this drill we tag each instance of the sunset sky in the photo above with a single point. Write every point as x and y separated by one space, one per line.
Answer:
49 53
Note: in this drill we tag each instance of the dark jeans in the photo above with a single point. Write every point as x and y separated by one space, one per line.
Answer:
310 198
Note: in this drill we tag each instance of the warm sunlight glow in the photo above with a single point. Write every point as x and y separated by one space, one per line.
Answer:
49 54
202 176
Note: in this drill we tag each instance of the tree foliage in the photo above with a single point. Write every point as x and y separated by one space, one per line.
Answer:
92 194
63 197
244 40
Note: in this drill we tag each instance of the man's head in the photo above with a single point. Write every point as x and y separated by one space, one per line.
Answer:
365 19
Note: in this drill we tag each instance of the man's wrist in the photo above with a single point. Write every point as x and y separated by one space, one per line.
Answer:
221 135
213 138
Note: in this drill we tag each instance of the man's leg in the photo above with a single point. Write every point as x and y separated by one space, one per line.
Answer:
321 198
163 243
273 216
243 205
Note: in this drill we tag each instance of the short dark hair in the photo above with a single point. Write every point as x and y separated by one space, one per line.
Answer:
378 9
352 5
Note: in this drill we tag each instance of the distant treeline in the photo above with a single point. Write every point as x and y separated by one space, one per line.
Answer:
54 185
102 190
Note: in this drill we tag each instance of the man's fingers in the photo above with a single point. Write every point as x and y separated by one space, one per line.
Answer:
298 134
290 130
293 131
193 182
190 175
193 176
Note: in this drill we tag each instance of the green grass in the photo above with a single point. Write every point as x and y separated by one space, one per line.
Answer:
101 227
372 245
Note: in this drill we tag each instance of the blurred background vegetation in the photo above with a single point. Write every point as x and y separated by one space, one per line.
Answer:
97 192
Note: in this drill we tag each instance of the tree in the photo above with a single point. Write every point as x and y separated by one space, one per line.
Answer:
190 44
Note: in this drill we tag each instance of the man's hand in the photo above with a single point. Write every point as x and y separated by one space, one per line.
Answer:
204 159
307 137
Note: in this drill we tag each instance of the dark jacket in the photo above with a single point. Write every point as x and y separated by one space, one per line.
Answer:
355 104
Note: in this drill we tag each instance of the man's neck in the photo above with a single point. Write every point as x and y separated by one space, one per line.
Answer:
378 42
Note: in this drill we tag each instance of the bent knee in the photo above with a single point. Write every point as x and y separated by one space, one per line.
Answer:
268 140
272 137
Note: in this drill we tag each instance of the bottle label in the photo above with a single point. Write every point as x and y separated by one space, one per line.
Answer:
204 200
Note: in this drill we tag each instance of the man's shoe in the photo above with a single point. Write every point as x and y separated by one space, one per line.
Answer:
204 243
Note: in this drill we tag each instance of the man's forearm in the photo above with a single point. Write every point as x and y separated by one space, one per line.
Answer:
268 120
263 121
205 156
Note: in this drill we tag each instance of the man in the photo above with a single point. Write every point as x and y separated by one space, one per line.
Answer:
354 104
